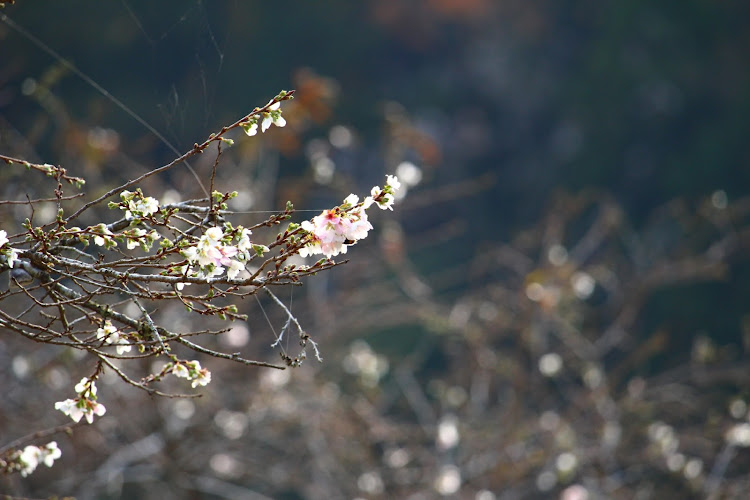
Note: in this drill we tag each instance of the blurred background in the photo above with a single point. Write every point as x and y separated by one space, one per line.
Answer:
558 307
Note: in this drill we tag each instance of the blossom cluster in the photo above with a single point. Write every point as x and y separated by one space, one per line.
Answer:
215 252
332 231
10 253
140 237
272 116
31 456
192 370
218 250
134 237
84 405
111 335
385 197
103 236
137 205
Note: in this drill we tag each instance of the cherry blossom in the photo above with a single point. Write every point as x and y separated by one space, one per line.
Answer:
384 197
192 370
244 240
111 335
81 407
84 405
139 205
393 182
103 237
202 378
139 237
273 116
331 232
213 236
86 386
251 129
212 254
180 370
32 456
12 257
235 267
11 253
29 459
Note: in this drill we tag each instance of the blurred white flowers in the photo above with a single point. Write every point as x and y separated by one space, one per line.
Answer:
31 456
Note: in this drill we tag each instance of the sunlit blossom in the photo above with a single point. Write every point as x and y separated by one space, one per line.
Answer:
332 231
251 129
272 117
393 182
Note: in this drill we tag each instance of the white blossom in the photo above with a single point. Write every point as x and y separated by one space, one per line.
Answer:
31 456
252 129
192 370
244 240
273 116
84 405
29 459
12 257
86 386
203 378
134 238
393 182
234 269
70 407
139 205
50 453
180 370
103 238
111 335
